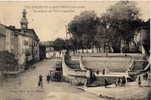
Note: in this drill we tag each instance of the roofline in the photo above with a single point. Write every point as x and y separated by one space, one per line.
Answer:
20 33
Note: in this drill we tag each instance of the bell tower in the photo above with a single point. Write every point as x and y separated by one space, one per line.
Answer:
24 21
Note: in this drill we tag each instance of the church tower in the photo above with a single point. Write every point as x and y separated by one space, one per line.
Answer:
24 21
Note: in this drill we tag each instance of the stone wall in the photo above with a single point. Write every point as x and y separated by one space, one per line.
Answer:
67 71
134 55
113 64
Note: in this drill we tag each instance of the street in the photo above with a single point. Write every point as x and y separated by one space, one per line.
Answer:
24 86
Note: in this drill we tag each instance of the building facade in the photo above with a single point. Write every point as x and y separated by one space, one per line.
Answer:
22 42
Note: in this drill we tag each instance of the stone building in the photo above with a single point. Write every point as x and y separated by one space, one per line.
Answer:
6 36
23 42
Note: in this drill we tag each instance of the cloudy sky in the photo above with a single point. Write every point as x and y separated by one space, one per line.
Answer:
49 18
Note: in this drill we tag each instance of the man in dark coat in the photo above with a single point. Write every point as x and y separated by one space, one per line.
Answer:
139 81
40 82
48 78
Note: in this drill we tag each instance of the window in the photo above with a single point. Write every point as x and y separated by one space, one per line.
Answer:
25 42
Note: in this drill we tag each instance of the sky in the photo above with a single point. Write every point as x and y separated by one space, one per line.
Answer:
49 19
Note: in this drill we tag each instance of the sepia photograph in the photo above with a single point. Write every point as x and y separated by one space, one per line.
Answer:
75 50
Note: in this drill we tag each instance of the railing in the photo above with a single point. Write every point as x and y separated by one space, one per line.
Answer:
109 54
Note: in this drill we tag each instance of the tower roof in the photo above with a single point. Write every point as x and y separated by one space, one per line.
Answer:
24 20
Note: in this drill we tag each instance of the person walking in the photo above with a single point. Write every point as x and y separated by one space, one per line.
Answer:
40 82
105 83
117 82
48 78
123 81
97 72
139 81
103 71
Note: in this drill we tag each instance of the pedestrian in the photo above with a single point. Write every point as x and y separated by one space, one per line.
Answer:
103 71
40 82
105 83
139 81
86 83
50 75
123 81
48 78
97 72
118 81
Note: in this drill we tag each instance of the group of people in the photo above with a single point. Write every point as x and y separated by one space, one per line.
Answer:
40 81
141 78
103 71
121 81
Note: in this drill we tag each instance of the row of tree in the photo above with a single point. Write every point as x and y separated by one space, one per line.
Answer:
116 27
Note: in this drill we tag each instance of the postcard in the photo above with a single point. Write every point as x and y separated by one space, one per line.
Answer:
75 50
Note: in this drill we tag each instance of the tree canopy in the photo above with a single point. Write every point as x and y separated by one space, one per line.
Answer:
117 26
120 23
59 44
83 27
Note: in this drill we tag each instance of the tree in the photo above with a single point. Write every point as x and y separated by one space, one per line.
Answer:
103 36
83 28
122 20
69 44
59 44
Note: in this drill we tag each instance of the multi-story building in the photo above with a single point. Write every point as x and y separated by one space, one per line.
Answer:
23 42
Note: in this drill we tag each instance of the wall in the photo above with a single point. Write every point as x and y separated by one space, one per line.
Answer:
2 37
112 64
27 46
23 47
21 51
8 40
5 38
2 42
14 43
36 50
67 71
